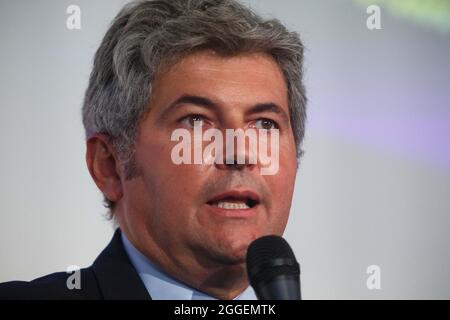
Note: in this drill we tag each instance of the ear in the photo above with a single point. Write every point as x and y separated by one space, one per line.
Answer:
103 166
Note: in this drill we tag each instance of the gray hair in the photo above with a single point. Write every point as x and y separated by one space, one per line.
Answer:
146 37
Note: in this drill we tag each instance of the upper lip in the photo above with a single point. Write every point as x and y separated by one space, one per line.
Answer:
246 195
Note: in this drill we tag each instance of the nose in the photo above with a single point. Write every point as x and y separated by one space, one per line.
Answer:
236 156
232 163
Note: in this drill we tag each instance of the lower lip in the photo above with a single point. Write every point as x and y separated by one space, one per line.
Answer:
234 213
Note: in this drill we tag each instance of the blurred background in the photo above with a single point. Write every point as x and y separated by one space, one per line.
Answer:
373 186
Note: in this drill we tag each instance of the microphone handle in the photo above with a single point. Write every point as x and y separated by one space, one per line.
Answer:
282 287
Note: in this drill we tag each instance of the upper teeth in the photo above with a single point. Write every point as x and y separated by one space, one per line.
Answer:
232 205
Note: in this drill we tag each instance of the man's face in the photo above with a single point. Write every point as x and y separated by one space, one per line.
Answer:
170 206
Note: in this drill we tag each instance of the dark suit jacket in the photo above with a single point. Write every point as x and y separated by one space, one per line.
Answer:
112 276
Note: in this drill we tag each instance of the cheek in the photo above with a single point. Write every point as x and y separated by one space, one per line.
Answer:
282 183
175 186
281 186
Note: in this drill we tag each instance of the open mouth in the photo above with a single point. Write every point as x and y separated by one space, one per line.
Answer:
235 201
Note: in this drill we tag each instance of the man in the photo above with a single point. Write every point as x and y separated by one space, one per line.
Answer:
184 228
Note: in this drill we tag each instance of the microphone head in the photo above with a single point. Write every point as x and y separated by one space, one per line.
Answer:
269 257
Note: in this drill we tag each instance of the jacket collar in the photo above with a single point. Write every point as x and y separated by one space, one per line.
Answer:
117 279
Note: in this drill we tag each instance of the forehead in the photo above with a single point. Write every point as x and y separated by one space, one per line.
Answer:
241 79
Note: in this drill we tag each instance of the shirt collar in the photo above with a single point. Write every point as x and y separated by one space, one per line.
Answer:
161 286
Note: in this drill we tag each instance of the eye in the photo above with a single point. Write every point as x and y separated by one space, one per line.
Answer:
266 124
193 120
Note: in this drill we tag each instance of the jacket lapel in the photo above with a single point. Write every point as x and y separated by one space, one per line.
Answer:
116 276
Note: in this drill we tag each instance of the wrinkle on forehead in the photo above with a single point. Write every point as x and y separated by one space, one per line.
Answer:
210 76
214 59
218 68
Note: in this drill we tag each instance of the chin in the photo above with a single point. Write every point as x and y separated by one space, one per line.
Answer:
233 251
229 258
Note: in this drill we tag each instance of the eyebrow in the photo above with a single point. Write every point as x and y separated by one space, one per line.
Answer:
188 99
270 107
209 104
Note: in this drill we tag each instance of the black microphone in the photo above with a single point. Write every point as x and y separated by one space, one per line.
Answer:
272 269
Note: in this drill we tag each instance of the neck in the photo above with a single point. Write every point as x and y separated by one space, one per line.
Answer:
224 283
219 280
